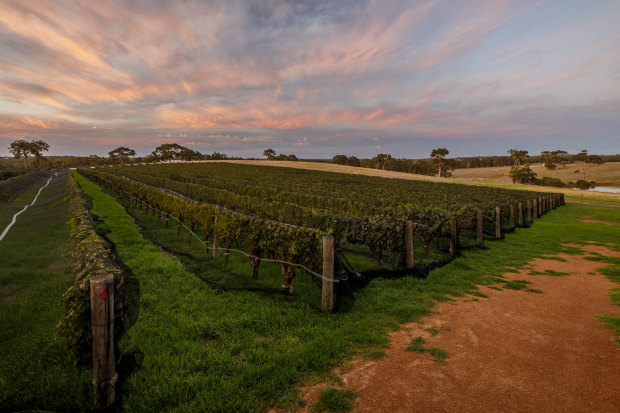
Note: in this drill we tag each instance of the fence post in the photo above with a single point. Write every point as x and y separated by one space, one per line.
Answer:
453 237
498 222
409 257
535 208
512 216
540 206
216 241
529 211
102 325
328 273
479 234
521 214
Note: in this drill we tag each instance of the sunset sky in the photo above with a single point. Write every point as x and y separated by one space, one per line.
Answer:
313 78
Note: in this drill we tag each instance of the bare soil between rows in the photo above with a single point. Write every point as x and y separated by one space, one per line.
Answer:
514 351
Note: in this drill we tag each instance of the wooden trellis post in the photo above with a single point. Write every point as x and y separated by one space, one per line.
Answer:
179 226
529 211
498 222
191 231
521 214
453 237
535 207
102 325
216 243
479 233
328 273
512 216
409 254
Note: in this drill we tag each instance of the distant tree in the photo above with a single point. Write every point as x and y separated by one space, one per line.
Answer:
353 161
519 157
585 160
188 154
167 151
522 175
121 154
439 156
340 159
381 160
21 148
551 159
269 153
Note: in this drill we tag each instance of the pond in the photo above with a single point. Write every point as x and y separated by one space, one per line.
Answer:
612 189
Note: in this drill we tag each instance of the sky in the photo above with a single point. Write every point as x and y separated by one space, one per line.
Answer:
313 78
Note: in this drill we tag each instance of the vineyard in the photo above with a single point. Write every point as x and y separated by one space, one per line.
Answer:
281 214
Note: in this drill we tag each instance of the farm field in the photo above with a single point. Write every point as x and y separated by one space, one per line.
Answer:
496 177
209 337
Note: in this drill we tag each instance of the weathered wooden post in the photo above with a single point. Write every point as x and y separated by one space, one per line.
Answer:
453 237
479 233
216 241
498 222
328 273
409 255
512 216
191 232
102 325
521 214
535 207
540 206
529 211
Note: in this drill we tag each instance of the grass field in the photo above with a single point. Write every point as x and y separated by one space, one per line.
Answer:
212 339
34 370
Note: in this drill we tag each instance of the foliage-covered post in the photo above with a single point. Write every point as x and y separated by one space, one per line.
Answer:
453 237
102 324
216 244
179 226
409 257
512 216
480 238
521 214
328 273
498 222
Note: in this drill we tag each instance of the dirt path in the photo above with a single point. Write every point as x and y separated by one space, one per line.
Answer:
515 351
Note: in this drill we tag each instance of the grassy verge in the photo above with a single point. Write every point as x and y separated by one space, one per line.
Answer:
213 339
34 370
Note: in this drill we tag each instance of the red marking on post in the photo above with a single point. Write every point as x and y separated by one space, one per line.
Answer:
104 294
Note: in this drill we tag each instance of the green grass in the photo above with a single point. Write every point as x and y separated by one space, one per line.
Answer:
334 400
434 330
417 345
516 284
34 370
210 333
549 272
613 323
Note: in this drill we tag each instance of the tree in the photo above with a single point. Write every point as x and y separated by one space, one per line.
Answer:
21 148
269 153
439 156
519 157
381 160
522 175
586 160
167 151
552 159
121 154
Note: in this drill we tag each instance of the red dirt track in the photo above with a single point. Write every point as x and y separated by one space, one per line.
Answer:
515 351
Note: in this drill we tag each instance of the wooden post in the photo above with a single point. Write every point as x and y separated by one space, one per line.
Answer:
529 211
453 237
512 216
521 214
479 229
179 226
216 248
191 231
102 324
409 257
498 222
328 273
535 207
540 206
